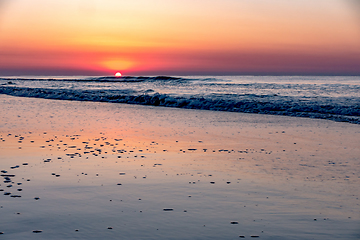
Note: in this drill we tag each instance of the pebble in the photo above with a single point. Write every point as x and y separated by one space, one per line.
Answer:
234 222
37 231
168 209
36 198
15 196
7 175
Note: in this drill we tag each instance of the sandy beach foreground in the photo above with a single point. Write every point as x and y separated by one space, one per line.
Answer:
85 170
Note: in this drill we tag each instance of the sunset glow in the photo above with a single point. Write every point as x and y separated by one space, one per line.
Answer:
117 74
170 37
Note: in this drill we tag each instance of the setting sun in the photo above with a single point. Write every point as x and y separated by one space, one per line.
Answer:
118 74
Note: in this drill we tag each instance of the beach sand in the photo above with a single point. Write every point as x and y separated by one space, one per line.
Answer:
85 170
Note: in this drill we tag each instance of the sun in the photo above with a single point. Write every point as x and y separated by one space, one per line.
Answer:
118 74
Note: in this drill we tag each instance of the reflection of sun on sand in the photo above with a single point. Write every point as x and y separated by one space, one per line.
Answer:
107 169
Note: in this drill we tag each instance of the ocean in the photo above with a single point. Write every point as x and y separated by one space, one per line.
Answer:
335 98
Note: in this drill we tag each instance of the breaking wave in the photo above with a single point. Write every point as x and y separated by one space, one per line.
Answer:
337 101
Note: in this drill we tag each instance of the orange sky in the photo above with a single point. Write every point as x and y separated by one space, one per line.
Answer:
158 37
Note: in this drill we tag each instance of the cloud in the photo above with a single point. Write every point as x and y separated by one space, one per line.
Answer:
355 6
3 4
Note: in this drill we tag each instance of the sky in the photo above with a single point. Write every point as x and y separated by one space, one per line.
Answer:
179 37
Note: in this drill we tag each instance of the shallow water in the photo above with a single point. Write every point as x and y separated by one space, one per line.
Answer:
272 175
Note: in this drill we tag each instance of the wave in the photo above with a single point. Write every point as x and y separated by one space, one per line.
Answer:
102 79
340 109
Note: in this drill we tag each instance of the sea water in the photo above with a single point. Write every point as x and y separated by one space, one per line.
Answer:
327 97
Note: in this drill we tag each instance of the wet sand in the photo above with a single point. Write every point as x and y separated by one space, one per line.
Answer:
89 170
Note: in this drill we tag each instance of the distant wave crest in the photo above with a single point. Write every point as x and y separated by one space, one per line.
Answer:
103 79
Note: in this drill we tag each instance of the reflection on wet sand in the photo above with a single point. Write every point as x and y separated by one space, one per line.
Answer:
90 170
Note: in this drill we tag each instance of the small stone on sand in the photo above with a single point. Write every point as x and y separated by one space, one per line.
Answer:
15 196
168 209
